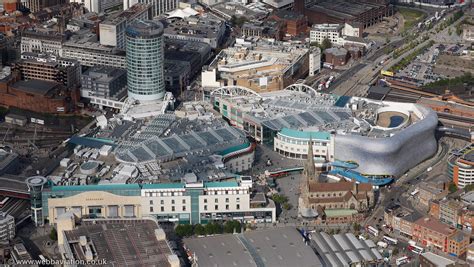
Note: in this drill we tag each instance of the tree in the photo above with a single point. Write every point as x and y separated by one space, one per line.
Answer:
237 226
199 229
356 227
184 230
326 44
53 235
452 188
229 227
314 44
287 206
279 199
213 228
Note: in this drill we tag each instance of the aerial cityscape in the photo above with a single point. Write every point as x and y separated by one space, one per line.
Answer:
235 133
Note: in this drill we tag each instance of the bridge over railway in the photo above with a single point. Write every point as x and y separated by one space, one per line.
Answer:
14 186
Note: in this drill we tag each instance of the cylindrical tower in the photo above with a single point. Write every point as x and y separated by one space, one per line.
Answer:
35 187
145 60
10 5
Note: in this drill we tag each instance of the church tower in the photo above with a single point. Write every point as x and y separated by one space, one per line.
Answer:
309 171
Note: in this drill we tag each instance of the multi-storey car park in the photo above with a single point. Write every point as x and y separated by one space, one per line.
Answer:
461 166
361 139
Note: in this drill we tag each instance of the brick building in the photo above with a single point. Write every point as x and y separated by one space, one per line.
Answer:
295 24
338 202
432 233
336 56
45 67
36 95
10 5
434 209
429 192
366 12
400 220
458 243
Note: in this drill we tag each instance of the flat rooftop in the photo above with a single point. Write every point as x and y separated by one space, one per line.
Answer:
37 87
272 247
259 59
251 11
209 142
313 111
121 242
13 182
194 26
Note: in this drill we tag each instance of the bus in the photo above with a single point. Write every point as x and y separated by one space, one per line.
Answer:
390 240
415 249
402 260
2 203
283 173
372 230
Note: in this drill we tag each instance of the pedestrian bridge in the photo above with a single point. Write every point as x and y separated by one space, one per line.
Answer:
14 186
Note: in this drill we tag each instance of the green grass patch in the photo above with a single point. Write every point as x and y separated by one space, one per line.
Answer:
410 16
467 79
409 58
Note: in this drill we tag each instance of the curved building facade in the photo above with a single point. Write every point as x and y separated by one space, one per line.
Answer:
392 155
145 78
294 144
374 155
461 167
360 138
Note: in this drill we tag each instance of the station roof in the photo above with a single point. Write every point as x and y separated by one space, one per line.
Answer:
271 247
344 249
121 242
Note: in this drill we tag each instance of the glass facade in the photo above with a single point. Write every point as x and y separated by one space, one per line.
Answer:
145 78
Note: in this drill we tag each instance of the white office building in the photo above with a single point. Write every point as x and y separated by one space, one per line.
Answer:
93 53
314 61
112 30
319 32
98 6
158 6
42 42
7 227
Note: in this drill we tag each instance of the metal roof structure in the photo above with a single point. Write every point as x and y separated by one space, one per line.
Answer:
193 143
270 247
120 242
344 249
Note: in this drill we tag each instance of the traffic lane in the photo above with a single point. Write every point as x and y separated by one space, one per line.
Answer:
348 73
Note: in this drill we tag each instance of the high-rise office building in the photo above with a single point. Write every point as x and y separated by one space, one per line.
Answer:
10 5
145 60
98 6
158 6
37 5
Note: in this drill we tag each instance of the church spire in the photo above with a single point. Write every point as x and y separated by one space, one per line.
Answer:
309 169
